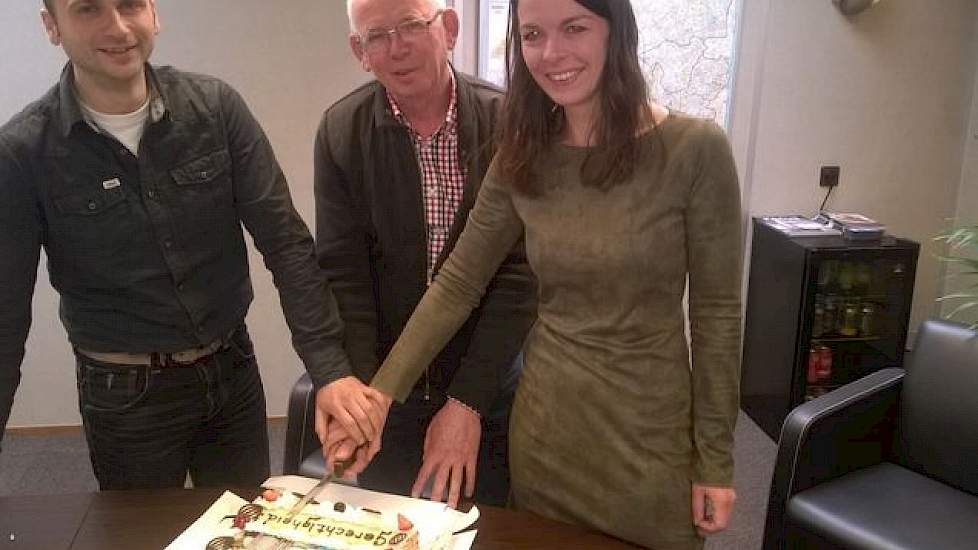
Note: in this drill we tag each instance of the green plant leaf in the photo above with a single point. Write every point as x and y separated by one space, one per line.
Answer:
958 296
963 307
962 253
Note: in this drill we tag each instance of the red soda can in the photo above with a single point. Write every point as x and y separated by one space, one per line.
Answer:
824 369
814 365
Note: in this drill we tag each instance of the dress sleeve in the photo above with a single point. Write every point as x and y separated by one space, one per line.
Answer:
492 230
714 248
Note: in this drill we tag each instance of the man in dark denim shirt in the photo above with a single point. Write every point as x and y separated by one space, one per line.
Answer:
136 182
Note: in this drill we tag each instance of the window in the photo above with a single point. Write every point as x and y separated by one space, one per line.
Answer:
687 49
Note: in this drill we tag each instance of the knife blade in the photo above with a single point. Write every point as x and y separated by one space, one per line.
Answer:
339 468
337 472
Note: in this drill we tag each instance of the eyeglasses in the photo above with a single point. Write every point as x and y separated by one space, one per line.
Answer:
379 40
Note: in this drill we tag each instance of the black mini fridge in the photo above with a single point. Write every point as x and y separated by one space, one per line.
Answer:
821 312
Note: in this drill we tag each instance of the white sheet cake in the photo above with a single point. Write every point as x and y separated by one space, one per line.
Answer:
331 524
322 524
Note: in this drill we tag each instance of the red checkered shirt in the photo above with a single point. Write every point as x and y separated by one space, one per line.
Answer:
442 175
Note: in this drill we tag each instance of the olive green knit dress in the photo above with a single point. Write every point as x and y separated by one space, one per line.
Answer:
611 424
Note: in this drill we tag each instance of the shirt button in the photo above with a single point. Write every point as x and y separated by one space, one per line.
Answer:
168 243
204 174
92 205
151 194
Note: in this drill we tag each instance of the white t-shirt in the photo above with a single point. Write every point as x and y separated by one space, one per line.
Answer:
127 128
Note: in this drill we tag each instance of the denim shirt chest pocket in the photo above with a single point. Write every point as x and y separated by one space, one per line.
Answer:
202 191
94 220
203 173
93 202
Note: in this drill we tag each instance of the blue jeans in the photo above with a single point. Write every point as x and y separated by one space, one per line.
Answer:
148 426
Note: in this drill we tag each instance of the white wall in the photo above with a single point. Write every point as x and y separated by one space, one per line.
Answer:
885 94
289 61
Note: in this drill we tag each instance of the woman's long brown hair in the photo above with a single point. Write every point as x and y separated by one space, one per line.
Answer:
531 121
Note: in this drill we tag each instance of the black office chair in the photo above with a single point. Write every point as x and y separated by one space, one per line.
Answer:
303 453
886 462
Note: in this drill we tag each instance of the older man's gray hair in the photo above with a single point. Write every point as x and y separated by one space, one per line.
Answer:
435 5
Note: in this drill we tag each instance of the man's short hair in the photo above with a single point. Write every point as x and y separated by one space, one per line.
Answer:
436 4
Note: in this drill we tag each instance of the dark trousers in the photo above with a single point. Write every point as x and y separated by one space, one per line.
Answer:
396 466
147 426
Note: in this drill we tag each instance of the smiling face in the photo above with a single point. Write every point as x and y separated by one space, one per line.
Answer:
565 46
412 68
107 41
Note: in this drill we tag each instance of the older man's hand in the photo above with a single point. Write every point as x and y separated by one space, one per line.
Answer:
451 452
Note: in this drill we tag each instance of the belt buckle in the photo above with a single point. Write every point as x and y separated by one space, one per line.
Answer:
163 360
166 360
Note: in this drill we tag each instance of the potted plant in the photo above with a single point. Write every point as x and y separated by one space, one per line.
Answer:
962 255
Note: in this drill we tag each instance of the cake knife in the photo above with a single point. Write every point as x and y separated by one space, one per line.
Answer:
339 468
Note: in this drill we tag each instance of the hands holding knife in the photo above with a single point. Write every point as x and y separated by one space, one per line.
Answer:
358 409
350 418
451 443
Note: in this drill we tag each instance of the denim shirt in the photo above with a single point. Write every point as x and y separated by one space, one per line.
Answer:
148 253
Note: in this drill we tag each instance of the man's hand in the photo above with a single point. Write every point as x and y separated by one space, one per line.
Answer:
340 446
354 405
451 451
712 508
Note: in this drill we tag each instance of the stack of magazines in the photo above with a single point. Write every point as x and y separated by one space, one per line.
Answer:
800 226
854 227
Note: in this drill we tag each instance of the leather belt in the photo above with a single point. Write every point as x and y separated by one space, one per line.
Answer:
156 359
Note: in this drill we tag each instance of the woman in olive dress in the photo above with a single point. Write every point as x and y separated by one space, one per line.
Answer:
619 422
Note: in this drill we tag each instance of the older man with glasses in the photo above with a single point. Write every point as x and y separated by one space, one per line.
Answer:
398 164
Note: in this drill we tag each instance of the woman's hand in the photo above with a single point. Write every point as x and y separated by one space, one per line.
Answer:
712 508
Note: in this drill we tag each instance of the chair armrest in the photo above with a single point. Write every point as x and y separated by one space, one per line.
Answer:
300 429
844 430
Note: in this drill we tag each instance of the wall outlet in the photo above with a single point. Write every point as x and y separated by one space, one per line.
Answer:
828 176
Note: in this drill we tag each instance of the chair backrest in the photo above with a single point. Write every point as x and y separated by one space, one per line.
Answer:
300 431
939 409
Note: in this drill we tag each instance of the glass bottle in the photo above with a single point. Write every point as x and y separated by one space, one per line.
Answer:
864 278
826 275
867 319
818 320
846 277
850 320
830 317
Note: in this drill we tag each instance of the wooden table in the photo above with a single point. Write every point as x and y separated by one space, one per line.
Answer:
152 519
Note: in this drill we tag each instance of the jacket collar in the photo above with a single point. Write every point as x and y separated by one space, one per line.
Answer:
71 112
